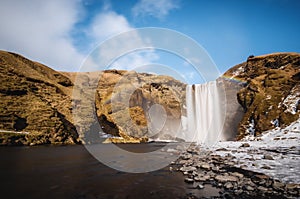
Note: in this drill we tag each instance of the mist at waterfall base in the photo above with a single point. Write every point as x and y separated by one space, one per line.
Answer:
211 113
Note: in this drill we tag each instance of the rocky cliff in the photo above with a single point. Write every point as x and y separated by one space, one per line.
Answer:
271 94
124 99
35 103
121 102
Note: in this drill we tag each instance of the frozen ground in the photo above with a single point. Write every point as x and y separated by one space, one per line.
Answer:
275 153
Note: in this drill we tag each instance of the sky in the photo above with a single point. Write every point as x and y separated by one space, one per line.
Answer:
62 34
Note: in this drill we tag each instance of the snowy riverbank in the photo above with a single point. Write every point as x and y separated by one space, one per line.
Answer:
275 153
266 166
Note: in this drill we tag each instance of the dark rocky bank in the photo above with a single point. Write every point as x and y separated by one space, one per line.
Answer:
202 167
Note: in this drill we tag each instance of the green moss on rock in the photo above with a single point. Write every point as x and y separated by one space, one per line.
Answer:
270 80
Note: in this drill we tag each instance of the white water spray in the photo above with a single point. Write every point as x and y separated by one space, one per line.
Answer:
205 113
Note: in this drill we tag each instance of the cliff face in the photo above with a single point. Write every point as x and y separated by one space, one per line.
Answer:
35 101
271 96
124 99
232 109
121 101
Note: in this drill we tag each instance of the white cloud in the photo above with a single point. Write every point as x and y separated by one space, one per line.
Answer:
135 60
189 75
109 23
40 30
154 8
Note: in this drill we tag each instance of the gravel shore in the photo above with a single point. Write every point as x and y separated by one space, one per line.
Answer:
266 166
201 167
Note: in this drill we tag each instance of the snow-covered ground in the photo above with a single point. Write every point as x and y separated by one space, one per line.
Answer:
275 153
292 100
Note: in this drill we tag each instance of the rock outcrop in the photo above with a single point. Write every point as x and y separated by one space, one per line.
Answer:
123 100
271 94
35 103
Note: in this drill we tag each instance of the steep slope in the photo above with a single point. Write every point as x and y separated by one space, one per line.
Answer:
35 101
271 94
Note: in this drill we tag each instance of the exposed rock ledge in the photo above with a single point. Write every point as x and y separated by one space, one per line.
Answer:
271 96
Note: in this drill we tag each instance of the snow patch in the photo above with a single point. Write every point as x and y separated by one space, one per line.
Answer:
237 72
251 129
282 144
270 108
275 122
283 67
291 102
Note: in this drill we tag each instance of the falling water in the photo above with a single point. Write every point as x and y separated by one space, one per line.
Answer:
212 114
205 113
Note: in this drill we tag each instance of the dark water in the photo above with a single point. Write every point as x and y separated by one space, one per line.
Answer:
71 172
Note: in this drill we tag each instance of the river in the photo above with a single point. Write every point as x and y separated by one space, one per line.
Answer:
72 172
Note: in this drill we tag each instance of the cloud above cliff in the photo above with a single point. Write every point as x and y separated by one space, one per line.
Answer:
40 31
44 31
107 24
154 8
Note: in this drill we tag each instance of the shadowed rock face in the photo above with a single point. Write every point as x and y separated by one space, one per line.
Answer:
271 94
233 110
34 99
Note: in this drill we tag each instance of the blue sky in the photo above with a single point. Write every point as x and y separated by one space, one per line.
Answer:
62 33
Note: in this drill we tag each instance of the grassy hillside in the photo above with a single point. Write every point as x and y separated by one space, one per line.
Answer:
271 96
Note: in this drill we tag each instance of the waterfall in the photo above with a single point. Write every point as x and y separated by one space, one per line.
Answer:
205 113
209 115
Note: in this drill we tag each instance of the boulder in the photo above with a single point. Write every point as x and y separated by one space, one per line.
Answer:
224 178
